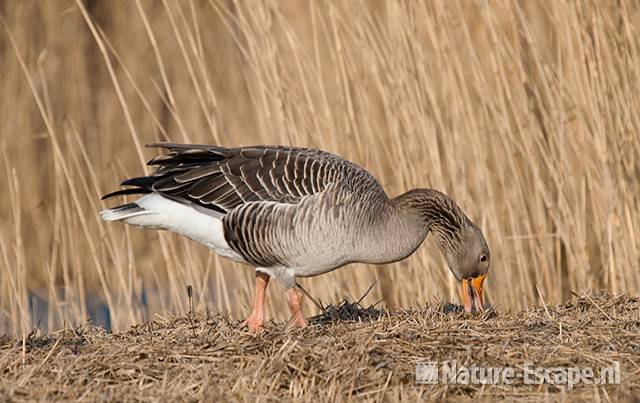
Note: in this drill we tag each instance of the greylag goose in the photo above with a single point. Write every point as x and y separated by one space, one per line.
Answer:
297 212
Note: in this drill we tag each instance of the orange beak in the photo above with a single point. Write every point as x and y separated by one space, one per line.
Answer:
471 293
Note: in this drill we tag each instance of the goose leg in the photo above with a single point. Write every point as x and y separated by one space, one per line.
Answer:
294 300
255 321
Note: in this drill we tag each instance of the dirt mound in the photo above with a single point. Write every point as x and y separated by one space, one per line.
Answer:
348 351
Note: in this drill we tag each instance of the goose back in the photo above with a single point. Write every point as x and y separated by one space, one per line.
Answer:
284 206
222 178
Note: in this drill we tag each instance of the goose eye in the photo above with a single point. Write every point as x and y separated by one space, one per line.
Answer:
483 258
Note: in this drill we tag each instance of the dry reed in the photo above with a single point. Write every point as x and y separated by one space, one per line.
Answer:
205 357
524 112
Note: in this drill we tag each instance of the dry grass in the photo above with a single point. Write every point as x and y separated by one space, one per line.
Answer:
197 358
525 112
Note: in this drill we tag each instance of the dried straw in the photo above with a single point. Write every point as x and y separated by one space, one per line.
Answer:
207 357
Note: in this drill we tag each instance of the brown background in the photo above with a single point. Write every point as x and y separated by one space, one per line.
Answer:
525 112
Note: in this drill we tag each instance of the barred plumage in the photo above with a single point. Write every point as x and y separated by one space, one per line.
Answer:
295 212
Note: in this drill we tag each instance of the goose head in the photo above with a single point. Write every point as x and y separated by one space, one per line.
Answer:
468 258
460 240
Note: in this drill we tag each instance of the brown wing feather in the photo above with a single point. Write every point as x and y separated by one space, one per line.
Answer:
223 178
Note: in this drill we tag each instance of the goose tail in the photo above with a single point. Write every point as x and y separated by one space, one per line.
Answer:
124 212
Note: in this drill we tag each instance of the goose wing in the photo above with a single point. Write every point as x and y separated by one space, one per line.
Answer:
222 179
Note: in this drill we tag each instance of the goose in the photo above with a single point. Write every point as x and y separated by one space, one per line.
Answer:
297 212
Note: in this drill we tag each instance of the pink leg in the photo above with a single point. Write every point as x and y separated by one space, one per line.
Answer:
294 299
255 321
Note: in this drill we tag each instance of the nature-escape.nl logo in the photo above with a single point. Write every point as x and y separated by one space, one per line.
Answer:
449 372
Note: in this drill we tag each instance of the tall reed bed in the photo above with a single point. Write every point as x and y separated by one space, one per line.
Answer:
524 112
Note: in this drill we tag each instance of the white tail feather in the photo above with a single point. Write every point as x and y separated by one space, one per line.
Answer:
155 211
119 215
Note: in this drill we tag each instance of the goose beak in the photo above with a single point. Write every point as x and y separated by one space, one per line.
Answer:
471 293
